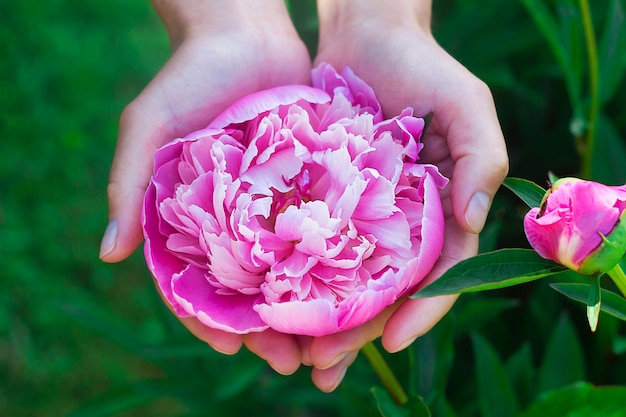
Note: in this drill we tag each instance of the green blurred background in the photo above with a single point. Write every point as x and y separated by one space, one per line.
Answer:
82 338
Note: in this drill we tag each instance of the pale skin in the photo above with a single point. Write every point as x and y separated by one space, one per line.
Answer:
225 49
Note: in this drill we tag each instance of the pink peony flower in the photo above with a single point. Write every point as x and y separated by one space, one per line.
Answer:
579 225
299 209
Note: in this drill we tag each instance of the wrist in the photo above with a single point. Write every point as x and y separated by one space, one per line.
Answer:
184 17
336 16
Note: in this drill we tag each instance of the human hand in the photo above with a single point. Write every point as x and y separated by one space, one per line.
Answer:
222 50
392 49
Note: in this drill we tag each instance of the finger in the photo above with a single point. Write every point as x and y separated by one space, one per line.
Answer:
223 342
326 351
162 112
305 349
140 133
329 379
280 350
477 146
415 317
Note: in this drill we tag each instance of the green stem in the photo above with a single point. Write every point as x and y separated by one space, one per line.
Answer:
385 373
594 91
619 278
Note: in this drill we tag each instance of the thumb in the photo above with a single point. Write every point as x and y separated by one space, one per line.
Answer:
481 162
139 136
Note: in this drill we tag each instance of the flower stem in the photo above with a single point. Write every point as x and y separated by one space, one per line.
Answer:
385 373
594 91
619 278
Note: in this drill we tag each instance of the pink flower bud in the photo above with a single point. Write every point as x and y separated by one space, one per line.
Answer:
579 225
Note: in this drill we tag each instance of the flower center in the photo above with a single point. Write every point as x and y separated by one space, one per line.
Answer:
299 193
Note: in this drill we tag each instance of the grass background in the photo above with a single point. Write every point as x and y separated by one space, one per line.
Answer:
82 338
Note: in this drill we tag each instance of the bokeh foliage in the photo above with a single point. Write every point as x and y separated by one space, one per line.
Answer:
81 338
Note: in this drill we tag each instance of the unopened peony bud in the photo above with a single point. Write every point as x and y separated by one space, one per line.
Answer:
580 225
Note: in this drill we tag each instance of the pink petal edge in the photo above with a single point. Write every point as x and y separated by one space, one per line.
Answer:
249 107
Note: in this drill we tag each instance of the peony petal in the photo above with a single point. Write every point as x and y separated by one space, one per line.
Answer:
432 230
315 317
545 236
288 224
385 158
364 95
273 174
160 261
295 265
231 313
168 152
251 106
406 131
365 305
391 234
228 269
359 93
378 199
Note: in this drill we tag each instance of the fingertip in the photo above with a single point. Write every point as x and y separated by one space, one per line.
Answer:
326 351
107 245
476 211
280 350
327 380
125 192
413 319
473 189
221 341
305 349
118 243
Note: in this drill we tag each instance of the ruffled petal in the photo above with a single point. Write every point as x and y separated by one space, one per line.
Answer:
232 313
316 317
249 107
432 231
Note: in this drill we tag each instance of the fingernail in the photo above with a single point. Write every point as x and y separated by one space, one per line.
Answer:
340 377
108 240
335 361
405 344
477 210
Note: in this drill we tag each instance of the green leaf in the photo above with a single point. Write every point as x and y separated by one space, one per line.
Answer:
572 39
609 153
386 406
560 36
521 371
593 303
492 270
612 51
612 303
619 345
243 375
98 319
563 359
415 407
552 178
488 238
431 357
528 191
474 312
120 400
495 392
582 399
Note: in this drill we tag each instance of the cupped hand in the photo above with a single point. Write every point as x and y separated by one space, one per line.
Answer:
219 56
401 61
